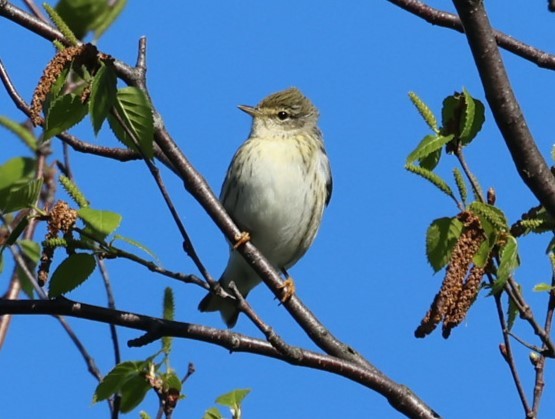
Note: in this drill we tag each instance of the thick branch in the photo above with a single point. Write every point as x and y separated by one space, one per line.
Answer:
507 113
398 395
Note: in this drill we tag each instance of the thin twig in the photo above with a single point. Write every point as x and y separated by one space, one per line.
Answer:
111 304
451 21
292 353
509 358
399 396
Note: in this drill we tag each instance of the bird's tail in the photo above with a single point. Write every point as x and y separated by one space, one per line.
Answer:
226 307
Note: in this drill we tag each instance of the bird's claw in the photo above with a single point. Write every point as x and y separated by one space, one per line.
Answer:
288 288
241 239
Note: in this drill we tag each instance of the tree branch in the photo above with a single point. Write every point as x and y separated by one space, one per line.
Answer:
448 20
399 396
507 113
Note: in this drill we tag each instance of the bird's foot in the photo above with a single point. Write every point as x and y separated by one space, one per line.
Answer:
288 288
241 239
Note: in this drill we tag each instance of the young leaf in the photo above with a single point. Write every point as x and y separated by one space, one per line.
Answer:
172 381
20 131
103 22
24 196
474 118
429 145
483 254
234 398
113 382
103 95
134 122
137 245
16 232
71 273
31 250
441 237
425 111
432 178
213 413
81 15
542 287
63 113
18 169
431 161
133 391
512 312
467 119
102 222
508 262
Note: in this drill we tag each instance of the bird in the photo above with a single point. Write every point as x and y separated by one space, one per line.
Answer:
275 190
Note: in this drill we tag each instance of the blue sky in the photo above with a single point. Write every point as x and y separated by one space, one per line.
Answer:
366 276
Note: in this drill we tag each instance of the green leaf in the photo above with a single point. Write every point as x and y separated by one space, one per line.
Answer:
431 161
425 111
71 273
144 415
441 237
483 254
137 245
81 15
474 118
133 391
63 113
16 232
31 251
110 15
23 133
432 178
172 381
512 312
24 196
543 287
102 222
234 398
213 413
508 262
135 113
103 95
16 171
115 379
468 118
429 145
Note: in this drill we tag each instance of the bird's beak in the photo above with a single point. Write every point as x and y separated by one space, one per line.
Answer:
251 110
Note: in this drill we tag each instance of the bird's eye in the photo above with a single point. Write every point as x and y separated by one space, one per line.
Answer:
282 115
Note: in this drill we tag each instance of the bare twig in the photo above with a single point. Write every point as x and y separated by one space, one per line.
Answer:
451 21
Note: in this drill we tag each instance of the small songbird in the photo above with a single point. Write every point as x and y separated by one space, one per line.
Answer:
276 189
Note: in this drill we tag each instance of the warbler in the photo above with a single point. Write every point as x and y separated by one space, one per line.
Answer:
275 190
